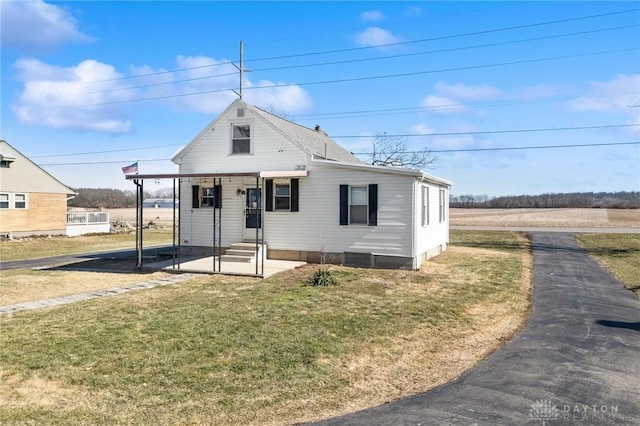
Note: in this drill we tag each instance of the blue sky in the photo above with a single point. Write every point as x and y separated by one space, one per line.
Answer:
89 87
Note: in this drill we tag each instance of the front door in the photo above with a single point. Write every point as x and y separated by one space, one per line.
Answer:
252 212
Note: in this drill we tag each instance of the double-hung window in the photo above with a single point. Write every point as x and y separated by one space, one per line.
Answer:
359 204
209 197
442 205
13 201
206 196
282 195
20 201
425 205
240 139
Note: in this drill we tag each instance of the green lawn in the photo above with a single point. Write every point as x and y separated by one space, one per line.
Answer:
235 350
618 253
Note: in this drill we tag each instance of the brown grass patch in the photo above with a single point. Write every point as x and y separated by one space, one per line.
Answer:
27 285
563 218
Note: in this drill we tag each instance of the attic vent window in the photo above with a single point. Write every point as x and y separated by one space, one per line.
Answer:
240 112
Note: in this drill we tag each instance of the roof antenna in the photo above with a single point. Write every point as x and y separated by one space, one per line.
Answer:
240 68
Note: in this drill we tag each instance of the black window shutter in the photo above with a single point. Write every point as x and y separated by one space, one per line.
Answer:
217 196
269 196
344 204
295 184
373 204
195 196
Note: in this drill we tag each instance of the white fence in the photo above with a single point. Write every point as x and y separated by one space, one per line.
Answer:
79 223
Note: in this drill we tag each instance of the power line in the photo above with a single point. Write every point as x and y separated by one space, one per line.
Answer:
354 79
513 148
107 151
104 162
358 136
367 47
490 132
501 102
378 58
442 151
447 36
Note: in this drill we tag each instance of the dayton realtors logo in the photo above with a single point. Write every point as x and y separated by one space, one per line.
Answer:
543 410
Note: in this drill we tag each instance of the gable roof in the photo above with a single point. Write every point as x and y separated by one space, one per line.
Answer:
316 143
313 141
23 175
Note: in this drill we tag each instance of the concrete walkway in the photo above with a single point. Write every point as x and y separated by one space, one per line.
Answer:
577 362
113 291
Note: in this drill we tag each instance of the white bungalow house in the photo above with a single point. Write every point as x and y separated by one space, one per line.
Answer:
251 176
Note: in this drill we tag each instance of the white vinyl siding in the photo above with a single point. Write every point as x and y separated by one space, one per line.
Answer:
270 150
317 227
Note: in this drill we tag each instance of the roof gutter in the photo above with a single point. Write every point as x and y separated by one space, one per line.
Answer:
418 174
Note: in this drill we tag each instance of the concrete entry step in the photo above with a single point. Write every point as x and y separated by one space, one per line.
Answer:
243 252
235 258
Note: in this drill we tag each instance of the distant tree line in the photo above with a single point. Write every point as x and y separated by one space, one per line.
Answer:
108 198
604 200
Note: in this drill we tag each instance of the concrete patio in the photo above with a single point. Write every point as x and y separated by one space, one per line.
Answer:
205 265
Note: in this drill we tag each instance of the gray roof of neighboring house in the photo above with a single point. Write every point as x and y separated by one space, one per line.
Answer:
23 175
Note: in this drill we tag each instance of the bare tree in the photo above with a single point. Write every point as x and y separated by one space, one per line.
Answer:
393 151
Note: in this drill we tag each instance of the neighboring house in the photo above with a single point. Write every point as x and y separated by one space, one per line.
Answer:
32 202
251 174
159 203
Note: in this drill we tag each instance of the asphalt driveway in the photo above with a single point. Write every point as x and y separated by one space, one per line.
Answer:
576 362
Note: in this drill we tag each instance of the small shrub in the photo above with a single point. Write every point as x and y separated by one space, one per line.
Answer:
322 277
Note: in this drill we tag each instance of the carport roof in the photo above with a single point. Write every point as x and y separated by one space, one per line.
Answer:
263 174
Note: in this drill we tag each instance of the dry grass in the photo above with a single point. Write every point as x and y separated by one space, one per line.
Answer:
24 285
236 350
562 218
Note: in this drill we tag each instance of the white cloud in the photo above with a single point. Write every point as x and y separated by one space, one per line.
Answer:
619 95
449 98
442 105
616 95
36 25
376 36
93 95
413 11
372 15
214 78
61 98
288 99
465 91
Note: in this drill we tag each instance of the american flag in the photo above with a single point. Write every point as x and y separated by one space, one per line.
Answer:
133 168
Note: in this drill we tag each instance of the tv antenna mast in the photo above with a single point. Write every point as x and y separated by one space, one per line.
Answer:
241 69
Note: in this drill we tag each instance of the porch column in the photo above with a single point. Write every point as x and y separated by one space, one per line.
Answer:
139 219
